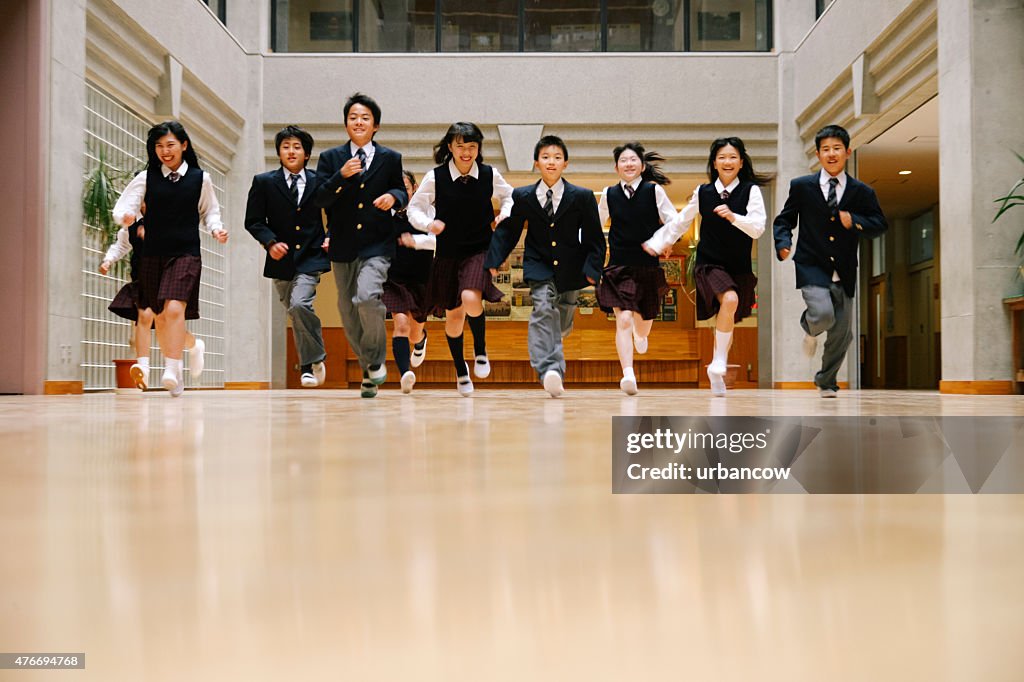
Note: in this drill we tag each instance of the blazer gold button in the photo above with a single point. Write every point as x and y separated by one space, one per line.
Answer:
831 258
362 186
832 219
299 209
552 224
359 226
553 244
298 246
555 263
297 228
831 239
337 191
360 205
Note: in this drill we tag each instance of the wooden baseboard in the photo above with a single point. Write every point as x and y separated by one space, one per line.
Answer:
804 385
977 387
62 388
246 385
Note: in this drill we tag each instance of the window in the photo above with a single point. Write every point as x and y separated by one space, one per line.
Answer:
219 8
820 6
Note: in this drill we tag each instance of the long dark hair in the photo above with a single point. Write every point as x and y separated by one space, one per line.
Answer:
173 128
652 171
747 173
467 132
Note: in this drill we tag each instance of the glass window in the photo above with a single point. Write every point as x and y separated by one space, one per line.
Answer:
313 26
562 26
474 26
922 238
729 25
397 26
820 6
652 26
219 8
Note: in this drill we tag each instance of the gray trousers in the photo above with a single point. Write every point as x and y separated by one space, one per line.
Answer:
829 310
360 285
550 320
297 296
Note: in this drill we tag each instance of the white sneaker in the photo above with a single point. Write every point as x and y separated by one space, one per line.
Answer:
196 358
173 383
464 386
319 372
408 381
717 367
640 343
717 381
553 383
628 385
481 367
810 345
139 375
378 376
308 380
418 355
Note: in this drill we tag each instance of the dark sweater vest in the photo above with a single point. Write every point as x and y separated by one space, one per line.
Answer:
633 221
410 266
721 242
172 213
466 211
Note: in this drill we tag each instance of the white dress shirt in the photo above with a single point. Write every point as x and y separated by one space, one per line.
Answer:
666 211
557 190
823 178
751 224
120 248
301 182
368 149
421 210
130 201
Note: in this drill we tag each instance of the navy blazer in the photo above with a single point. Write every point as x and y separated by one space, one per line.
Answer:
271 216
825 246
568 249
357 228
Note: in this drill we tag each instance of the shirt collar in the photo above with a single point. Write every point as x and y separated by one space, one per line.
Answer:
556 189
823 177
182 169
634 184
288 173
367 148
719 187
474 171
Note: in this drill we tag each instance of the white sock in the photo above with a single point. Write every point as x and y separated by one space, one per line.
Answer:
722 342
176 366
627 373
143 362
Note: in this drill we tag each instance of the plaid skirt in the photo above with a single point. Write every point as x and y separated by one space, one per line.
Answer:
632 287
451 276
713 280
126 302
409 298
170 279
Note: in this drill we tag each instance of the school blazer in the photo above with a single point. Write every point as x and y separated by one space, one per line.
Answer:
824 245
272 216
357 228
567 249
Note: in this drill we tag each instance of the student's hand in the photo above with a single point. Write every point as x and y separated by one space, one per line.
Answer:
327 243
384 202
127 219
589 279
407 241
220 235
846 219
722 211
140 231
436 227
498 219
783 254
352 167
494 272
649 249
278 250
104 267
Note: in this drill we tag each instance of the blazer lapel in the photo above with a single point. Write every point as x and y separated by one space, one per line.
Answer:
380 155
567 197
533 201
310 188
282 184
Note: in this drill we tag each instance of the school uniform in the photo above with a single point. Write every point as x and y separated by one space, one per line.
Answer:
126 301
723 260
564 247
463 204
280 208
405 290
633 279
362 239
826 256
177 202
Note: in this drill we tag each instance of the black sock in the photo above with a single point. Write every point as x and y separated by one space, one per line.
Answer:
419 344
306 369
400 347
478 326
455 346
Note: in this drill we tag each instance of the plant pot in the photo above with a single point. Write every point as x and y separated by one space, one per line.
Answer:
123 377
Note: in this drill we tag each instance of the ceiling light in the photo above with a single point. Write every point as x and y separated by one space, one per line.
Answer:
905 172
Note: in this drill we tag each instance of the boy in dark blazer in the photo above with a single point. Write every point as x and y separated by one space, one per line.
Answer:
361 181
834 211
281 216
565 251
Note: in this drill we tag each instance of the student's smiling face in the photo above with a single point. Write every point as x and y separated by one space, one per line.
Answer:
360 125
169 150
293 156
728 163
551 163
463 153
629 166
832 154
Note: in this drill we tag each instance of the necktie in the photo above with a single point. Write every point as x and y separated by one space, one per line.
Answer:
464 179
630 190
293 188
725 195
362 159
832 201
549 205
173 176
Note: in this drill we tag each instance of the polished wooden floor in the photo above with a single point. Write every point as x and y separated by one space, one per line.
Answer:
289 535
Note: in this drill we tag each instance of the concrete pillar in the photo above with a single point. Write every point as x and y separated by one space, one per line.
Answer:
981 67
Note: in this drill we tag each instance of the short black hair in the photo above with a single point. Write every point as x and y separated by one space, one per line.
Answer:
366 101
412 178
832 131
299 134
550 141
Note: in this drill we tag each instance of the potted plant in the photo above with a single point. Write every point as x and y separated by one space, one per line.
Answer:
1015 197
